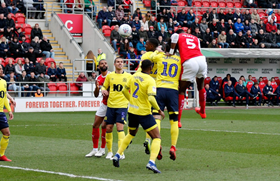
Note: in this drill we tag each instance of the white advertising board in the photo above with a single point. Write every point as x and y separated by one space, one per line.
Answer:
62 104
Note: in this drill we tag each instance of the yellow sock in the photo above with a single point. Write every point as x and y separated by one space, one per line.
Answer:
174 132
148 137
121 136
126 141
155 147
109 141
158 124
4 144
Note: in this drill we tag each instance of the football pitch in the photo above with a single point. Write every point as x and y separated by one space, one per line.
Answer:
231 144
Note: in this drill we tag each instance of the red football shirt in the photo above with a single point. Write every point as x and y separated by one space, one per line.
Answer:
101 79
189 46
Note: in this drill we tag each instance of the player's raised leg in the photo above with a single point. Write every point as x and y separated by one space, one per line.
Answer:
202 97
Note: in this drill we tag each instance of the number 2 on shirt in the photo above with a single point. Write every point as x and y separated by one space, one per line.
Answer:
136 90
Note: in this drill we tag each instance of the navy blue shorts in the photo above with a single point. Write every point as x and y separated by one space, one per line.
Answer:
147 122
3 121
115 115
168 98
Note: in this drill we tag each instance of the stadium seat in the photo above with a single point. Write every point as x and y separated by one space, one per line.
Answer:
185 29
260 11
222 4
254 79
274 86
262 85
224 96
265 80
181 3
2 62
19 58
74 88
206 4
39 59
52 87
249 86
277 80
214 4
112 28
230 5
262 15
27 29
21 20
106 30
207 80
175 28
238 5
17 26
7 60
147 3
13 16
62 87
197 4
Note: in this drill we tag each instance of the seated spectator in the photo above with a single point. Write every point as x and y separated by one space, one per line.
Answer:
19 34
137 13
31 55
248 39
144 24
20 5
238 15
110 15
4 48
213 44
160 41
36 31
9 68
256 92
170 24
255 16
24 86
115 38
37 47
136 23
242 91
69 6
278 18
190 17
163 15
249 80
203 25
262 26
273 82
124 46
277 92
141 45
268 92
40 68
212 95
229 78
231 39
152 33
229 26
90 7
271 26
38 93
103 17
10 22
19 67
278 38
143 33
134 36
206 16
173 16
40 9
29 5
230 15
262 38
169 33
8 34
255 44
240 40
214 15
165 3
246 26
2 24
33 82
132 55
46 48
214 28
111 3
162 33
28 67
222 15
198 34
4 9
125 20
52 72
272 39
12 7
182 18
120 13
251 4
81 78
11 83
254 28
207 38
25 45
221 26
272 16
238 26
16 48
195 24
43 86
260 79
222 40
247 15
61 72
230 92
153 23
214 84
148 16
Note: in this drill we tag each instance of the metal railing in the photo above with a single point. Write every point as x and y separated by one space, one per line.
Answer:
84 66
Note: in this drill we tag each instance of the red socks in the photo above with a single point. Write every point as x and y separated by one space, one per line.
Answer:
103 138
202 100
95 137
181 106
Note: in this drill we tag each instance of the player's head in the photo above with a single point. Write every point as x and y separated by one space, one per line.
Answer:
103 66
179 31
146 66
118 63
168 46
151 44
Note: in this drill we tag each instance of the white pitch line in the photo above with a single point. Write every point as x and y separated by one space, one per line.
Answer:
58 173
228 131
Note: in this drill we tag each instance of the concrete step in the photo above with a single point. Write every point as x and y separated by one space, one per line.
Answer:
55 45
47 34
59 57
53 41
57 49
64 61
60 53
46 31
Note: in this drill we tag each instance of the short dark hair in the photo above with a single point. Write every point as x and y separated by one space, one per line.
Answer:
154 42
146 64
116 59
168 46
180 31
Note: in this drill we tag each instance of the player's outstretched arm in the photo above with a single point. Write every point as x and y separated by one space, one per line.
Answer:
97 88
154 103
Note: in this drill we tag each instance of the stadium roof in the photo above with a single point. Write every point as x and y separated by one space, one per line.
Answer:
240 53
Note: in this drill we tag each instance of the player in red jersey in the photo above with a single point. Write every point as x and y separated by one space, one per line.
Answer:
100 114
194 66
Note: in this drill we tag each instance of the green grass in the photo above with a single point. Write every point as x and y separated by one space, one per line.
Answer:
217 148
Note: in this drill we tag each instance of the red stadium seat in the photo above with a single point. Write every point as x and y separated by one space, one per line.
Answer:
222 4
197 4
21 20
205 4
224 96
262 15
112 28
181 3
265 80
62 87
207 80
52 87
7 60
19 58
49 60
214 4
260 11
230 5
185 29
17 26
106 30
249 86
277 80
147 3
39 59
27 29
74 89
254 79
238 5
261 85
175 29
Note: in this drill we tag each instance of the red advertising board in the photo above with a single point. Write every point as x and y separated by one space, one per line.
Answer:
74 23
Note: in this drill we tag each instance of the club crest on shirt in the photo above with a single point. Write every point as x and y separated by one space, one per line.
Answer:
124 79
